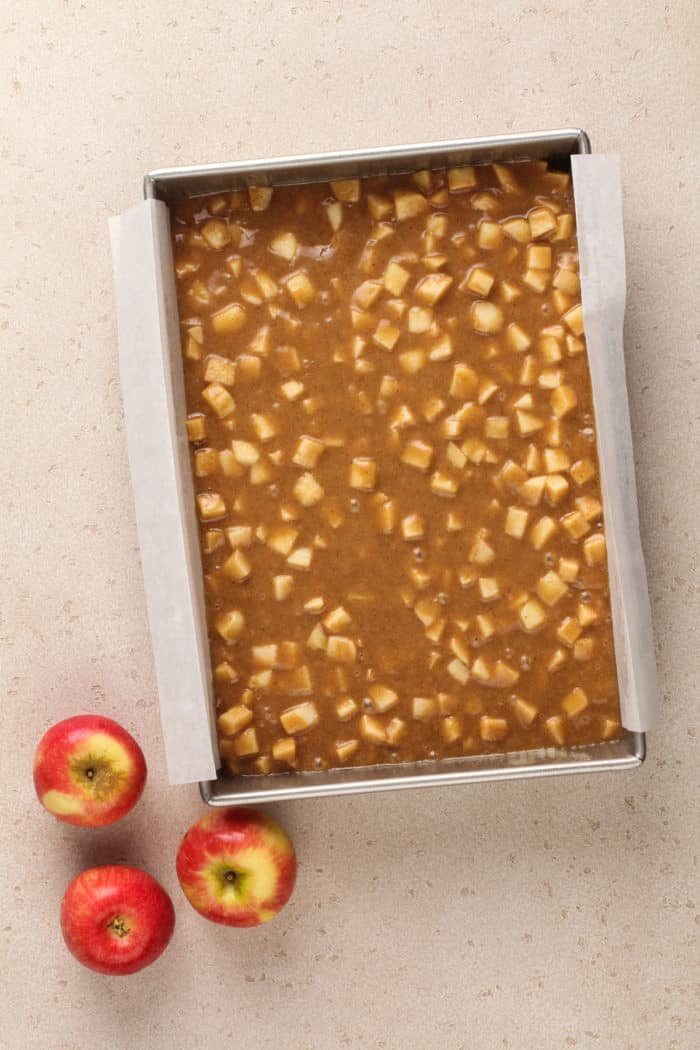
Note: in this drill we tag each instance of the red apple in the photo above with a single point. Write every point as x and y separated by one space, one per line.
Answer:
237 866
88 771
116 919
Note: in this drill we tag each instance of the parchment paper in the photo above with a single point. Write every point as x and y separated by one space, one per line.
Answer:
154 410
154 407
598 197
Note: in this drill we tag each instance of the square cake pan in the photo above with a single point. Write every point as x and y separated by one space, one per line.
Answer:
170 184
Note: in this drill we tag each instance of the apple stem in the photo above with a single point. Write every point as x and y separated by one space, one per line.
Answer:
230 876
119 926
89 773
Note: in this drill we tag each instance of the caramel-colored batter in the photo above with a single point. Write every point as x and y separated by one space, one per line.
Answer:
393 445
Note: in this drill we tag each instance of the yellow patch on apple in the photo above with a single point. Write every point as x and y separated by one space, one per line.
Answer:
61 804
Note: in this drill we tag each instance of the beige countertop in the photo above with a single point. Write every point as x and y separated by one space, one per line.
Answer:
550 914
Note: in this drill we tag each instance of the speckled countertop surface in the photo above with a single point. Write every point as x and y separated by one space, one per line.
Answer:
549 914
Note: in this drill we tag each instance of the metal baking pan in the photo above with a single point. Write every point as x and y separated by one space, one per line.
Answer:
169 184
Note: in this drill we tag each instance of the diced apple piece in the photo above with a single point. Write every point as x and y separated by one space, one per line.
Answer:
346 708
525 711
285 750
301 558
433 288
246 743
365 295
265 655
196 428
479 281
488 588
218 399
229 319
464 382
246 452
565 227
575 524
573 318
563 400
225 673
417 454
301 288
575 702
532 615
493 729
582 471
516 522
587 614
401 418
583 649
556 660
450 729
396 278
423 708
234 720
551 588
517 338
541 221
458 670
610 728
489 235
372 730
386 334
317 640
487 318
308 491
206 462
363 474
412 361
264 426
539 257
230 625
212 541
442 348
554 728
300 717
337 620
555 460
334 214
282 539
461 179
282 587
345 749
542 532
308 451
260 197
387 513
444 484
517 230
211 506
216 233
379 207
346 190
219 370
413 527
395 731
341 650
567 281
408 204
420 319
383 698
590 507
237 567
481 553
285 245
568 631
594 549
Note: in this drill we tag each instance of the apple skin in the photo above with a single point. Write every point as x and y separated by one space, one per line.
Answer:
237 866
88 771
116 919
